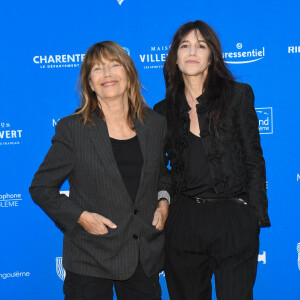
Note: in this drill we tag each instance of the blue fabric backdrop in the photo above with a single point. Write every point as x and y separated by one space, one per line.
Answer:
41 47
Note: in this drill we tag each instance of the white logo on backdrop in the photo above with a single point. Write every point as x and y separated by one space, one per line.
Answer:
262 257
15 274
243 57
127 50
298 176
10 200
60 271
9 136
58 61
120 1
155 58
265 119
293 49
239 45
298 250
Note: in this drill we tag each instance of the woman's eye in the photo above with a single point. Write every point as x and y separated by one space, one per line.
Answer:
184 46
97 69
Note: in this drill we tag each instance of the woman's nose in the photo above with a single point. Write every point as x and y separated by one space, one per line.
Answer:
192 50
107 71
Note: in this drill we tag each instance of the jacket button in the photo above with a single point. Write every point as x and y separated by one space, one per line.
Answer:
135 236
135 212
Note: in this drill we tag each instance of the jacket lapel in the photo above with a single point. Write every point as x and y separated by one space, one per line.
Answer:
142 133
101 141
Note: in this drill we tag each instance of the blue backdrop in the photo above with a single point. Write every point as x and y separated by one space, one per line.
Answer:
41 52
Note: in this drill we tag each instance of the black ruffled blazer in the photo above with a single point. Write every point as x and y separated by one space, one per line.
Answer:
236 162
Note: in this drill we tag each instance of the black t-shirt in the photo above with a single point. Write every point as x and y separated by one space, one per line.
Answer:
197 179
129 158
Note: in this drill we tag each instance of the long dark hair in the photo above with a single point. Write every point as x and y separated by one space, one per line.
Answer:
217 85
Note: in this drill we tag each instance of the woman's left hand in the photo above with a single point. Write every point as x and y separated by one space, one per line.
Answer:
161 214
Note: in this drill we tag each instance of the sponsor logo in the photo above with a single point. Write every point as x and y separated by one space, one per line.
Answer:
265 119
241 56
298 176
61 61
120 1
262 257
15 274
60 271
155 57
293 49
10 200
58 61
9 136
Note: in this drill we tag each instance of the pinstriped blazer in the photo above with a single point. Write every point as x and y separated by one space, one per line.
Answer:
83 155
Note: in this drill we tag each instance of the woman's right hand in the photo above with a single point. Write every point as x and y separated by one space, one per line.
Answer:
95 223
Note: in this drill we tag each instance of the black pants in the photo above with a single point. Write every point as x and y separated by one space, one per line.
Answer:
211 238
137 287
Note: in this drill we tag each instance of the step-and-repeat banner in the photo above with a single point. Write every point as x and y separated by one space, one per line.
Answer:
42 47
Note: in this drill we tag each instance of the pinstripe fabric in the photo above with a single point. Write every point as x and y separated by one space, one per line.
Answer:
83 155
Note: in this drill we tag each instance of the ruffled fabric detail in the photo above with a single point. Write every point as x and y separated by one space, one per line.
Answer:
214 155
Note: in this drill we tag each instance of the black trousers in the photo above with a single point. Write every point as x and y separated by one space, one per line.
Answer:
211 238
137 287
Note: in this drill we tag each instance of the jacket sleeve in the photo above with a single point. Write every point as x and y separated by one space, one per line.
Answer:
254 161
165 182
56 167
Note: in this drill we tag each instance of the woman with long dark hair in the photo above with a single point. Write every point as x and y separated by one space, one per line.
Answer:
219 197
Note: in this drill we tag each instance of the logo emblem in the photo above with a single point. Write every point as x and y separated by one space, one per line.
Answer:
120 2
262 257
239 45
265 119
58 61
8 135
243 56
126 49
10 200
60 271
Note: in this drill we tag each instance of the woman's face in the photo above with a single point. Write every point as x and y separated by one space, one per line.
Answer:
193 55
108 79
